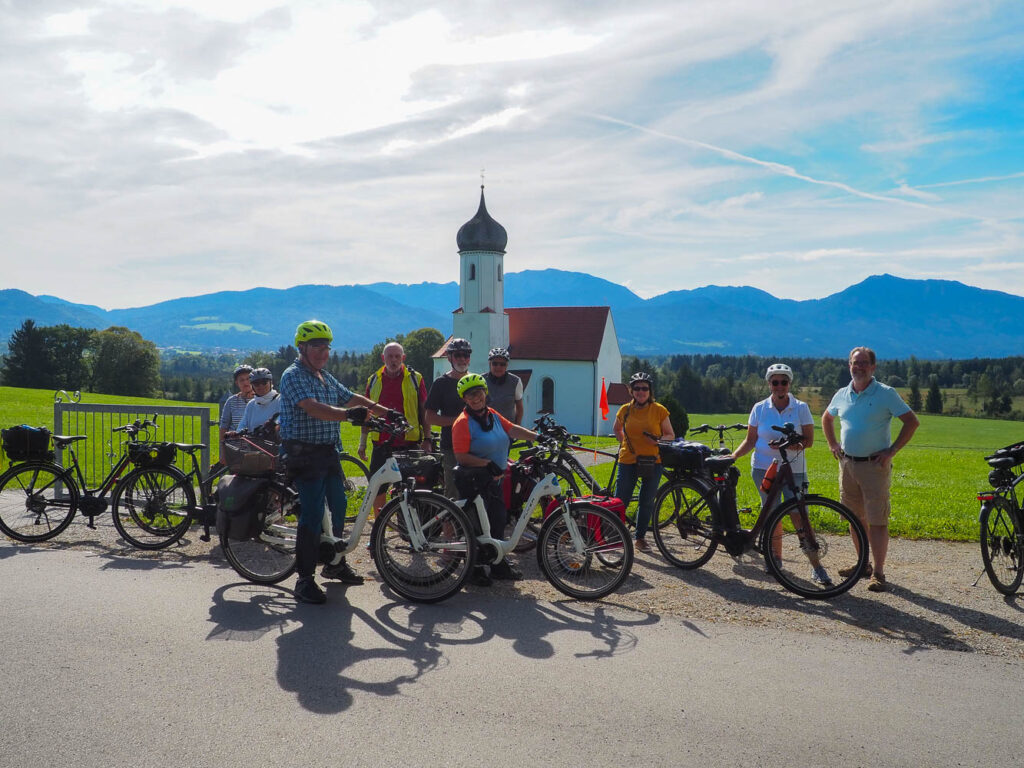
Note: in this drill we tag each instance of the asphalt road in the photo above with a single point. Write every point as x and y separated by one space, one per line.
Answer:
120 661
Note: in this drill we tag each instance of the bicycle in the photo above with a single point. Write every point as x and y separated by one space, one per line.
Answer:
1001 522
39 496
264 553
582 549
808 542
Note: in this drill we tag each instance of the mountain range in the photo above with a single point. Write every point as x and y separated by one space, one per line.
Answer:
931 319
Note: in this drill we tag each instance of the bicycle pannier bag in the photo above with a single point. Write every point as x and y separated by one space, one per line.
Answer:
425 468
239 507
685 455
152 454
25 443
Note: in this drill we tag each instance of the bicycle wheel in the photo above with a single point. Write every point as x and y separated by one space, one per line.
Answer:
807 541
688 508
153 506
440 569
576 570
268 557
1002 545
37 501
357 481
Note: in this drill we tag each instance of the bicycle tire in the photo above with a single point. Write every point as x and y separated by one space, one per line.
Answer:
574 572
841 543
268 557
1002 545
38 500
153 506
687 539
440 571
357 483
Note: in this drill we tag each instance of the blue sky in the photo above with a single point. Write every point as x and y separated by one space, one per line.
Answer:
150 150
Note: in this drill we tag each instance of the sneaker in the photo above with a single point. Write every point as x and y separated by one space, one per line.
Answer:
820 576
642 545
342 573
878 583
307 591
504 571
479 577
849 571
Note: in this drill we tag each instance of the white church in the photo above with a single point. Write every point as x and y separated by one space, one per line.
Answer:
560 353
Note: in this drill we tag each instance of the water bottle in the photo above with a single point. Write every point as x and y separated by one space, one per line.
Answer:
769 476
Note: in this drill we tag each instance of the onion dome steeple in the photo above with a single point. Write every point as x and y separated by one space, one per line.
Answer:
482 233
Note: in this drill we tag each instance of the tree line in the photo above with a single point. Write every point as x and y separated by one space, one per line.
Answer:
704 383
118 361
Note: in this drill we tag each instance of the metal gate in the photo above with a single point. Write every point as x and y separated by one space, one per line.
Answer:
176 424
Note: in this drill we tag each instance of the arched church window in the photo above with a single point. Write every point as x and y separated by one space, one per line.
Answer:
547 396
472 271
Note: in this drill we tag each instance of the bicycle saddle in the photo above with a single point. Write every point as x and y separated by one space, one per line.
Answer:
61 440
719 463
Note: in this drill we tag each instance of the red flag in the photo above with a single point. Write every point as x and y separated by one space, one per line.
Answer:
604 401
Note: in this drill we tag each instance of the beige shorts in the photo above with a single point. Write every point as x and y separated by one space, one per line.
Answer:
864 488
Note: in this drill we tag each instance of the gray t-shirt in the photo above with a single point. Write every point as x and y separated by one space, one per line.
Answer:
504 396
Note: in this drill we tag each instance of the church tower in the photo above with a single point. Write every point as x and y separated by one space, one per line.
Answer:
481 315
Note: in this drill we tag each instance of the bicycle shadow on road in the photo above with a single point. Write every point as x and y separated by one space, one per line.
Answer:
319 659
527 623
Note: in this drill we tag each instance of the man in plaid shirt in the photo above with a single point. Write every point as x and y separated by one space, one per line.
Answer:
311 407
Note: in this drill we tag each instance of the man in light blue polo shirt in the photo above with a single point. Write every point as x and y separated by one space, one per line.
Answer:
865 409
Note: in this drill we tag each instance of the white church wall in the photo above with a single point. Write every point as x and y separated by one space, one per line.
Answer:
574 396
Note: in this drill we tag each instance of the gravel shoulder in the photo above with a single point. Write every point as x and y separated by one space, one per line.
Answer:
939 597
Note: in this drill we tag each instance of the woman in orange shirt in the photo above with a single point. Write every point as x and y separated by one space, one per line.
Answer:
639 457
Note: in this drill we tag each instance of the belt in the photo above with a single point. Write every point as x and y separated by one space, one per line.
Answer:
857 458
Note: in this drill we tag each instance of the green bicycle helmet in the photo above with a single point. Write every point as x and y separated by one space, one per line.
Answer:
470 381
311 330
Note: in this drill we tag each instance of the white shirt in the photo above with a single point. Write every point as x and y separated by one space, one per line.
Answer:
764 416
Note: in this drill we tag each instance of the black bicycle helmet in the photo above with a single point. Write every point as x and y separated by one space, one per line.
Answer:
243 368
498 353
459 345
261 374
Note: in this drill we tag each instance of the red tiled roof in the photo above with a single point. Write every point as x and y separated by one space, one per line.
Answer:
556 333
618 394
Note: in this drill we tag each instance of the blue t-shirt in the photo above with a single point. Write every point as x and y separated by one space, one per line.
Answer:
865 418
300 383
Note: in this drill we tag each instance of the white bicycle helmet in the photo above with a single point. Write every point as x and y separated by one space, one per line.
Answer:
779 368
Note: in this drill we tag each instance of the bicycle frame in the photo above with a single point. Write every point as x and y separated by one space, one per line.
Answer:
548 486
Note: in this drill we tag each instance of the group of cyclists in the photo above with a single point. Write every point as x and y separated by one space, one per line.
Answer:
478 416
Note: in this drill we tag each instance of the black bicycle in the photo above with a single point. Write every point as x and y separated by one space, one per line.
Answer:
720 429
39 497
814 546
1001 521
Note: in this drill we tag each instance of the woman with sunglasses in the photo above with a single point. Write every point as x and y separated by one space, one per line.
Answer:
775 410
639 457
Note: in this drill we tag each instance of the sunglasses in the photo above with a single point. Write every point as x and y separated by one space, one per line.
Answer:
641 389
779 382
501 363
319 345
462 355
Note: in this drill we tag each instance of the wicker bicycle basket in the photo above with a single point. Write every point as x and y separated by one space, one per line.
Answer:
250 455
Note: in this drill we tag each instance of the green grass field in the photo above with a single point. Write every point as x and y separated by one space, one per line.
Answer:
935 478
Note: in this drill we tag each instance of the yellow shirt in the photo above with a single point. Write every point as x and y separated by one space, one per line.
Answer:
635 421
